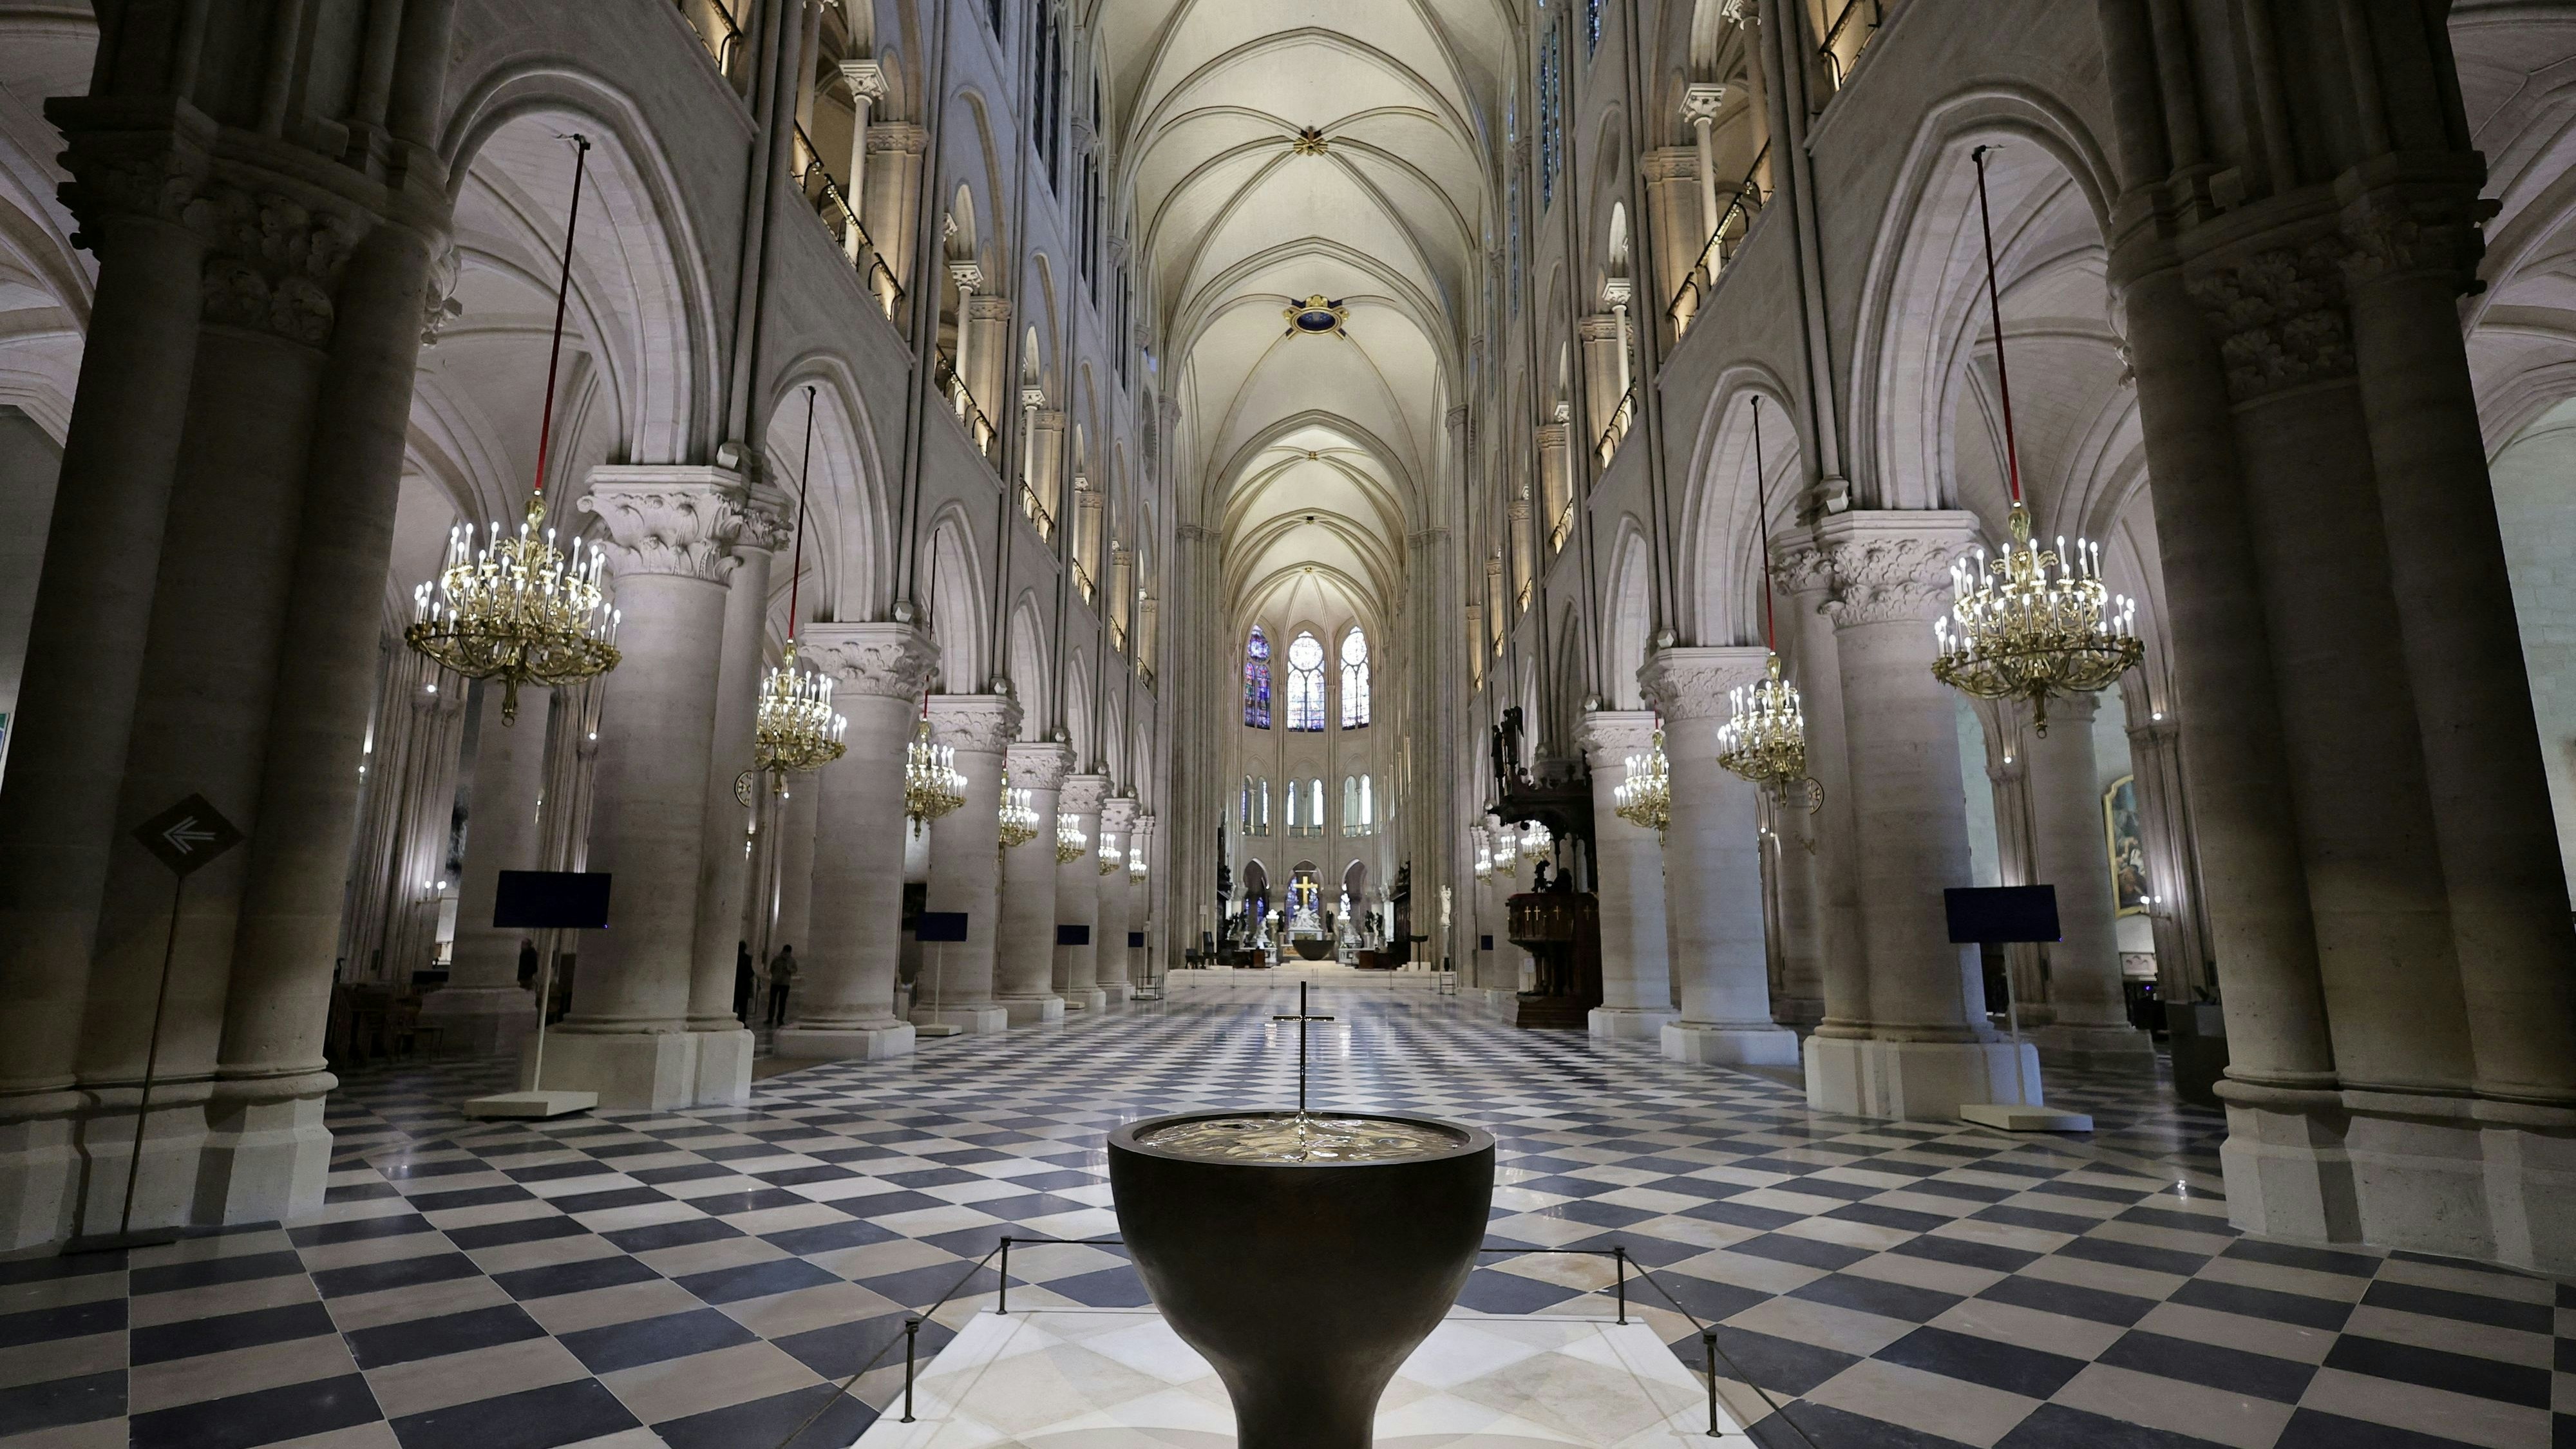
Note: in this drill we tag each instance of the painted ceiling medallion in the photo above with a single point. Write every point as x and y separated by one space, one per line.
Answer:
1318 316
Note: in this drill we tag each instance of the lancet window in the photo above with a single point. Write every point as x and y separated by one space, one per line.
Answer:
1256 679
1305 683
1355 680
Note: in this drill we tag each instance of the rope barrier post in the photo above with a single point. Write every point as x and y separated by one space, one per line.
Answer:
1003 1304
911 1339
1708 1347
1620 1252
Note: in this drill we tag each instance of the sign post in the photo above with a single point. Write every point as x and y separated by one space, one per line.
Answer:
1999 915
184 838
569 900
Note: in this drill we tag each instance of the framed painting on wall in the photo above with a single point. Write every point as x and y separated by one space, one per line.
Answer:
2126 844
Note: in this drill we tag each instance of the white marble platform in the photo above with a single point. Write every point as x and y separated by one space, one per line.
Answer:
1292 971
1093 1378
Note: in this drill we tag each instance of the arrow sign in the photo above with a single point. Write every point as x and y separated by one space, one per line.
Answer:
188 835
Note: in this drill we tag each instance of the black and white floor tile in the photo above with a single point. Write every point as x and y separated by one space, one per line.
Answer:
706 1278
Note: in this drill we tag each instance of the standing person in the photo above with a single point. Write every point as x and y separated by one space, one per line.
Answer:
746 982
782 974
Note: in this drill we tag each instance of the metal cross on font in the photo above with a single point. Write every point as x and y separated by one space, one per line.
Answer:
1301 1018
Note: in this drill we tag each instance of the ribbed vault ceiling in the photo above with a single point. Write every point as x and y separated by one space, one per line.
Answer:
1207 99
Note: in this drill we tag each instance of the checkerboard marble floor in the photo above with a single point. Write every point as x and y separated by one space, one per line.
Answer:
706 1278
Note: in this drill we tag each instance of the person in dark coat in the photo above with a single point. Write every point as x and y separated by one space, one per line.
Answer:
744 982
782 974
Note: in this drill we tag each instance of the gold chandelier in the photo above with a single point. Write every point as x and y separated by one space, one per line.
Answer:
1019 817
518 609
2033 622
1645 797
932 783
1070 842
1507 848
795 729
1764 739
1484 852
1110 859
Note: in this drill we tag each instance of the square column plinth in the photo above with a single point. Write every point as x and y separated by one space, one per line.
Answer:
655 1070
1736 1046
1918 1081
876 1041
1613 1023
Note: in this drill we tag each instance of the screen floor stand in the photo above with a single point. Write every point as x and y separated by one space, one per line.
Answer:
2020 1114
536 1103
934 1026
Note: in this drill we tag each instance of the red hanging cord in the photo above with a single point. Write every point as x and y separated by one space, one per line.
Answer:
796 568
1762 520
563 294
1995 309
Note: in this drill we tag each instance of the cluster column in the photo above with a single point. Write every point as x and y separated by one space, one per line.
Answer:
956 982
1024 970
1628 875
843 1002
671 533
1077 896
1923 1046
483 1006
1713 867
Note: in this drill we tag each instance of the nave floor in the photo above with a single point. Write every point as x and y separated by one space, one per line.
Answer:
703 1278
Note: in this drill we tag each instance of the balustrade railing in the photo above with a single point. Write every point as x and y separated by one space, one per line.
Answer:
714 23
1037 512
979 428
1733 224
822 191
1849 35
1117 636
1607 447
1082 581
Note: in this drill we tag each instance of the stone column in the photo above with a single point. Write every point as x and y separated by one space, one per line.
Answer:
1924 1047
84 662
1700 105
1713 867
843 1001
671 531
1142 897
1109 943
968 276
2092 1016
956 985
792 925
1800 943
866 80
1805 581
893 194
1024 964
1077 894
990 316
1628 875
724 865
483 1006
1602 353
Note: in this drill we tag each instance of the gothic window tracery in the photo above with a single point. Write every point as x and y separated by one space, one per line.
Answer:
1355 680
1305 683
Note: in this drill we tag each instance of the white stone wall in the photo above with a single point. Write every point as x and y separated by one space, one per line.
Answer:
2535 490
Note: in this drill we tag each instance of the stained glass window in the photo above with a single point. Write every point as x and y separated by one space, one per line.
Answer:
1305 683
1551 68
1591 26
1355 680
1256 680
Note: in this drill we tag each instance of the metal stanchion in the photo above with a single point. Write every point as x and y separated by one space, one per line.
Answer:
911 1341
1620 1252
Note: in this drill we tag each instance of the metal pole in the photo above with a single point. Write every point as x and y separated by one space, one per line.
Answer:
1708 1350
151 1058
1003 1303
1620 1252
911 1337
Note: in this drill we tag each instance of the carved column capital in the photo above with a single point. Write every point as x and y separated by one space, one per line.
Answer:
2278 316
671 519
865 78
1892 564
1118 813
1039 765
1082 794
768 519
2391 237
893 661
1701 101
273 261
1671 163
1609 736
980 723
1693 683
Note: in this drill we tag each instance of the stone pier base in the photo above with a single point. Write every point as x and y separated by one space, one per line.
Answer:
1920 1081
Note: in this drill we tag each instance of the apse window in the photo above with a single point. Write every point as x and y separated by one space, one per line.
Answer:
1256 680
1305 683
1355 680
1359 806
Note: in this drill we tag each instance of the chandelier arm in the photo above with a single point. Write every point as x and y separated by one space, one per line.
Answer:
1995 310
1762 522
563 295
796 564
